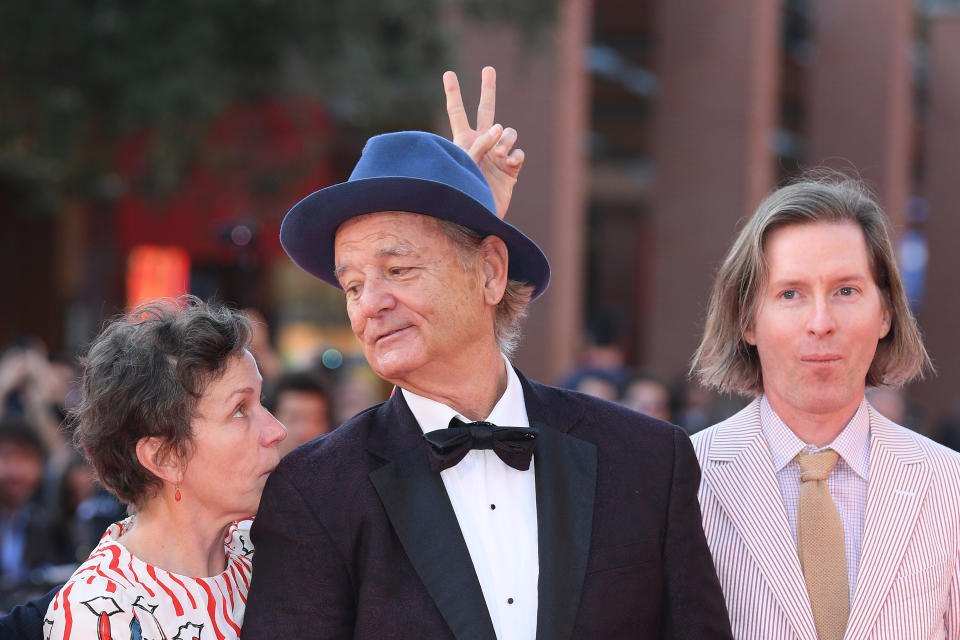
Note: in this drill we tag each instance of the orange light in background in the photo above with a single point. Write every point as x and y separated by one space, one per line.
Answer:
156 272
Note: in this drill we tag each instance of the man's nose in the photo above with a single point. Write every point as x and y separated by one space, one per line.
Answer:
376 297
822 320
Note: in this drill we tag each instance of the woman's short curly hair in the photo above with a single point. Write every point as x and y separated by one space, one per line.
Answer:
142 377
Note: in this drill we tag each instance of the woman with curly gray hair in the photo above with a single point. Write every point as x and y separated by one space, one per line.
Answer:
171 420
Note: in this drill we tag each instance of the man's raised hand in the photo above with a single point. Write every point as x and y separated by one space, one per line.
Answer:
490 145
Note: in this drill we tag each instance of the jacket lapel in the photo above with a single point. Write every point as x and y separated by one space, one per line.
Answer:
566 480
899 479
566 472
738 459
419 509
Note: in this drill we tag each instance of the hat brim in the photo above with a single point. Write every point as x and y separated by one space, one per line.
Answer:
308 230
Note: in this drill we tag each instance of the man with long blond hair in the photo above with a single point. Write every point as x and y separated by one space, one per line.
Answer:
825 519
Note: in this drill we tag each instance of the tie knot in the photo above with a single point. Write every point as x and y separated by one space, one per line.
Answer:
817 466
480 431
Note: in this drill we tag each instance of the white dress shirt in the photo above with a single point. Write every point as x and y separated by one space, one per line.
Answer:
496 507
847 483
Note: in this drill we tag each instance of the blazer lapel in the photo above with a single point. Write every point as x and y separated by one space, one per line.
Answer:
739 459
899 478
419 509
566 477
566 481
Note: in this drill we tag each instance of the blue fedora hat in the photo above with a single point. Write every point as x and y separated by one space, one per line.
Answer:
411 171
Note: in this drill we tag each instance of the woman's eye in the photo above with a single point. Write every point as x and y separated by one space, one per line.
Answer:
847 291
239 412
789 295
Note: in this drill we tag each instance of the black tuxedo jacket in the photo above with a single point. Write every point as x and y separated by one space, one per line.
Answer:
356 537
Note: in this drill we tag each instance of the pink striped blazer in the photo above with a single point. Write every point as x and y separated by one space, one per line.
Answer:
908 585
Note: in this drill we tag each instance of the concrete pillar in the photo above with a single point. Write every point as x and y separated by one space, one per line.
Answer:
860 94
718 65
941 306
542 91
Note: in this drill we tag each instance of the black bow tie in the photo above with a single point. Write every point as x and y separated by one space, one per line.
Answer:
447 447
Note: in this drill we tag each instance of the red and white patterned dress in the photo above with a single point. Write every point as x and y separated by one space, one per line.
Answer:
116 596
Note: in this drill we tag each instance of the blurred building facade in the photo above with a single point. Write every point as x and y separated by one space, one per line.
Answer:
692 113
651 130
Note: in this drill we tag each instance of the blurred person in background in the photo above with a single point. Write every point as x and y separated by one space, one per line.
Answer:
85 510
21 372
599 384
891 403
947 427
648 394
171 420
302 403
694 405
826 520
28 535
261 346
894 405
355 387
39 390
601 369
61 384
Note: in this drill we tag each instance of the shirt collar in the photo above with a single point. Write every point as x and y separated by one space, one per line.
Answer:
510 410
852 443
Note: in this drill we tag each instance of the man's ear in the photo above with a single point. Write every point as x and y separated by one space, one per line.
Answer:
159 461
748 335
494 261
887 318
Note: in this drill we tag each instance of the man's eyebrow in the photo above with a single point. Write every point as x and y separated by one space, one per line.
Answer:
795 282
401 250
787 282
854 277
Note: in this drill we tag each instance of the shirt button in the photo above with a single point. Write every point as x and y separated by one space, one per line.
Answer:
509 600
492 507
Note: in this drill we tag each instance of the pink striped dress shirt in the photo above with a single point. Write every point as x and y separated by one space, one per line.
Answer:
847 482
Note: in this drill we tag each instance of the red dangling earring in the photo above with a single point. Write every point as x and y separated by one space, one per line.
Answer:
177 496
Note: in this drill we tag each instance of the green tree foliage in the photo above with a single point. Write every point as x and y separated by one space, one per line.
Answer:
78 76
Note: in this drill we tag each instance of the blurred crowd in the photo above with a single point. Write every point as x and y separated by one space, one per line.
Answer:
53 512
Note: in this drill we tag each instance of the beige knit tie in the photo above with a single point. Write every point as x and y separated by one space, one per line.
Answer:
821 546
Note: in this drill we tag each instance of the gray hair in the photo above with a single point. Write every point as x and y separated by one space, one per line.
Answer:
512 308
726 362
